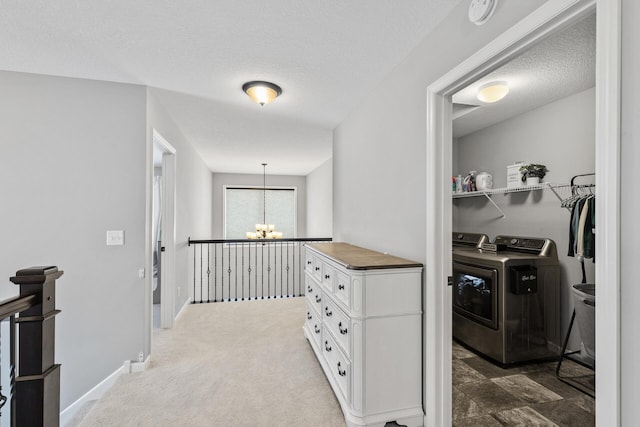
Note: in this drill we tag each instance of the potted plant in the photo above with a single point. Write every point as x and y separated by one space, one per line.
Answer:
533 173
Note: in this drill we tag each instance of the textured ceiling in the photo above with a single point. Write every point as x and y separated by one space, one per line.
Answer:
559 66
325 54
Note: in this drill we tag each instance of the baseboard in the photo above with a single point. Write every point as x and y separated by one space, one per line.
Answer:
99 390
130 367
94 394
186 303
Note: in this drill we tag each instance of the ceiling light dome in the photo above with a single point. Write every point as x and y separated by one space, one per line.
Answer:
262 92
493 92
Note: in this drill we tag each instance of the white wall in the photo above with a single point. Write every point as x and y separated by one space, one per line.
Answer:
222 179
560 135
74 164
380 148
72 167
193 194
320 201
630 206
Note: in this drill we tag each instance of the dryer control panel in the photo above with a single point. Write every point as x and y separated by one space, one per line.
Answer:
526 244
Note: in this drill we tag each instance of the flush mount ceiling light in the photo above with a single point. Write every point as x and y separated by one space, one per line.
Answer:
493 92
262 92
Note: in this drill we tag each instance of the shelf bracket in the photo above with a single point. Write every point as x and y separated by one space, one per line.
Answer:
555 192
494 205
558 196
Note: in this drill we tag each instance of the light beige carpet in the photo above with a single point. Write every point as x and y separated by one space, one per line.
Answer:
226 364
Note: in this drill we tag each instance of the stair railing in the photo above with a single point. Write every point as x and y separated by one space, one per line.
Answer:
242 269
34 395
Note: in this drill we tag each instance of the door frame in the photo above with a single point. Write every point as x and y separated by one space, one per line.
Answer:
548 18
168 276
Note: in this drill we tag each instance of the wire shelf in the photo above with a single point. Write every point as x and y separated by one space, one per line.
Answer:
506 190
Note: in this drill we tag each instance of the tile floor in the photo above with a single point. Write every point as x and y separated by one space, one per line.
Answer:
485 394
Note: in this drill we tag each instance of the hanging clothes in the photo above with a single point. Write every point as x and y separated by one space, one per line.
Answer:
582 228
583 220
574 225
582 223
589 236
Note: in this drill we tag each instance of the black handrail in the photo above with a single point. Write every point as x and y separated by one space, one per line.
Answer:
298 239
12 306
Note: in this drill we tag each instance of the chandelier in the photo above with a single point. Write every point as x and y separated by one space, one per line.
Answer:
264 230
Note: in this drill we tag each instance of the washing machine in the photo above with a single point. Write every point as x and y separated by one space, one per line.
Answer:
506 298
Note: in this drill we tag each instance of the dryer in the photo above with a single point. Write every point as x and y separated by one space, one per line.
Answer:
506 298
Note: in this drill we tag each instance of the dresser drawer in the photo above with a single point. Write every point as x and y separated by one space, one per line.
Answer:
310 286
314 294
328 275
343 288
338 324
317 300
314 324
316 268
339 365
308 265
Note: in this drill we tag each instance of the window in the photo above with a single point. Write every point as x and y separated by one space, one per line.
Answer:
244 209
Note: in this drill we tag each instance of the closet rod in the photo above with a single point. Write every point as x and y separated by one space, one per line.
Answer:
577 176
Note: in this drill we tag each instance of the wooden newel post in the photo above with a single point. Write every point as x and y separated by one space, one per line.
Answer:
37 386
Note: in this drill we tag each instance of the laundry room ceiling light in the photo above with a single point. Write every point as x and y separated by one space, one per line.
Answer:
261 92
493 92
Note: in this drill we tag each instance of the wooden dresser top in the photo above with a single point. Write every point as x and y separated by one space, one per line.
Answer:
357 258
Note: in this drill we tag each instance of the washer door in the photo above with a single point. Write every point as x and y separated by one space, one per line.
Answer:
475 293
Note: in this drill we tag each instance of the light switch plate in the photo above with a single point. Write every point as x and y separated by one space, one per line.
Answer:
115 237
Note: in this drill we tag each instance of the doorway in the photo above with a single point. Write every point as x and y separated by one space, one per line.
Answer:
548 19
509 332
163 233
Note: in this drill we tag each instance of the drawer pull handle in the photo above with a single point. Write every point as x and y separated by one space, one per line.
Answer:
318 299
341 286
328 312
341 372
327 277
316 328
309 289
308 262
342 331
317 268
309 316
327 347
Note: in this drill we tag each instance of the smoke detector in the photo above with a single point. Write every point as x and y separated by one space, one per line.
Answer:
481 10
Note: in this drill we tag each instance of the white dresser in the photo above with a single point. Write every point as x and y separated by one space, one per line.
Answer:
364 323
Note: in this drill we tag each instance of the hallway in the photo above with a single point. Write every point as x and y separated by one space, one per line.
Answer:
235 364
248 364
